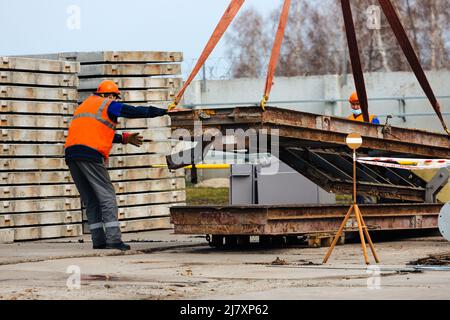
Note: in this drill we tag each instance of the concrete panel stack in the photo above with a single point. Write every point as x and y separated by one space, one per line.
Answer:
144 194
37 197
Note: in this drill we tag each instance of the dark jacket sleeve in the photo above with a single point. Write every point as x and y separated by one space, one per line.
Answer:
117 138
121 110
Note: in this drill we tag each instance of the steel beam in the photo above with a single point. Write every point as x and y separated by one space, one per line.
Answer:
286 220
303 129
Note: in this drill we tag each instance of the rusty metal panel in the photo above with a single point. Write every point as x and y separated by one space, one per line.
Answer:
47 232
139 95
47 218
69 190
304 129
30 93
91 84
99 70
285 220
34 107
38 65
38 79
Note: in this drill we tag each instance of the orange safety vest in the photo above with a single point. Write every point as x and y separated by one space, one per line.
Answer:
92 127
360 118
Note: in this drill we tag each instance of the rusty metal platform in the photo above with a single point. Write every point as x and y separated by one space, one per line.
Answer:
258 220
301 129
314 145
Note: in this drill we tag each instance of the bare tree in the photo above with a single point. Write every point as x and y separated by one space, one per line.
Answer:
315 40
248 44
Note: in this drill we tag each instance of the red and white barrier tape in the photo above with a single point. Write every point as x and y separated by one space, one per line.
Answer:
405 163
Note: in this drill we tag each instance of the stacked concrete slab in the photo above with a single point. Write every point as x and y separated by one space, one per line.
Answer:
144 194
37 197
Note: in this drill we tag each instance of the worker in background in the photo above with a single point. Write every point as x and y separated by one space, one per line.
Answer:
91 137
357 112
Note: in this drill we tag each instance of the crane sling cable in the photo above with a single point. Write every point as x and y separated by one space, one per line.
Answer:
276 52
411 56
355 59
222 26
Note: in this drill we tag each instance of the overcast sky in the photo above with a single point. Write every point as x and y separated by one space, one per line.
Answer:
47 26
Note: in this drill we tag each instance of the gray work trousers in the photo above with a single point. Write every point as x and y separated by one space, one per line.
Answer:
99 199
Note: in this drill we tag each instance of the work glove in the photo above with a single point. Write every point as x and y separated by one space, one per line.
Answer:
133 138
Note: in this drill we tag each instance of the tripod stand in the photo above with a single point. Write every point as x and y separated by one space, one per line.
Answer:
363 231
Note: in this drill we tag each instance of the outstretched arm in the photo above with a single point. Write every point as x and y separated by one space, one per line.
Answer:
121 110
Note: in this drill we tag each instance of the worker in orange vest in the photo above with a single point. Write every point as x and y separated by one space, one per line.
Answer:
91 137
357 112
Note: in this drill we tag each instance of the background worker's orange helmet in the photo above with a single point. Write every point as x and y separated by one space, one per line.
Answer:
353 98
108 86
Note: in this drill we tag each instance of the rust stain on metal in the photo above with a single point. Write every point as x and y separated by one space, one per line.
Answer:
282 220
312 127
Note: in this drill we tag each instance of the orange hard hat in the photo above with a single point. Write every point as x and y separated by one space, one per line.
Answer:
108 86
353 98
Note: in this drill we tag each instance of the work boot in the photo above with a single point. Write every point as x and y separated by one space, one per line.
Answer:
99 246
119 246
